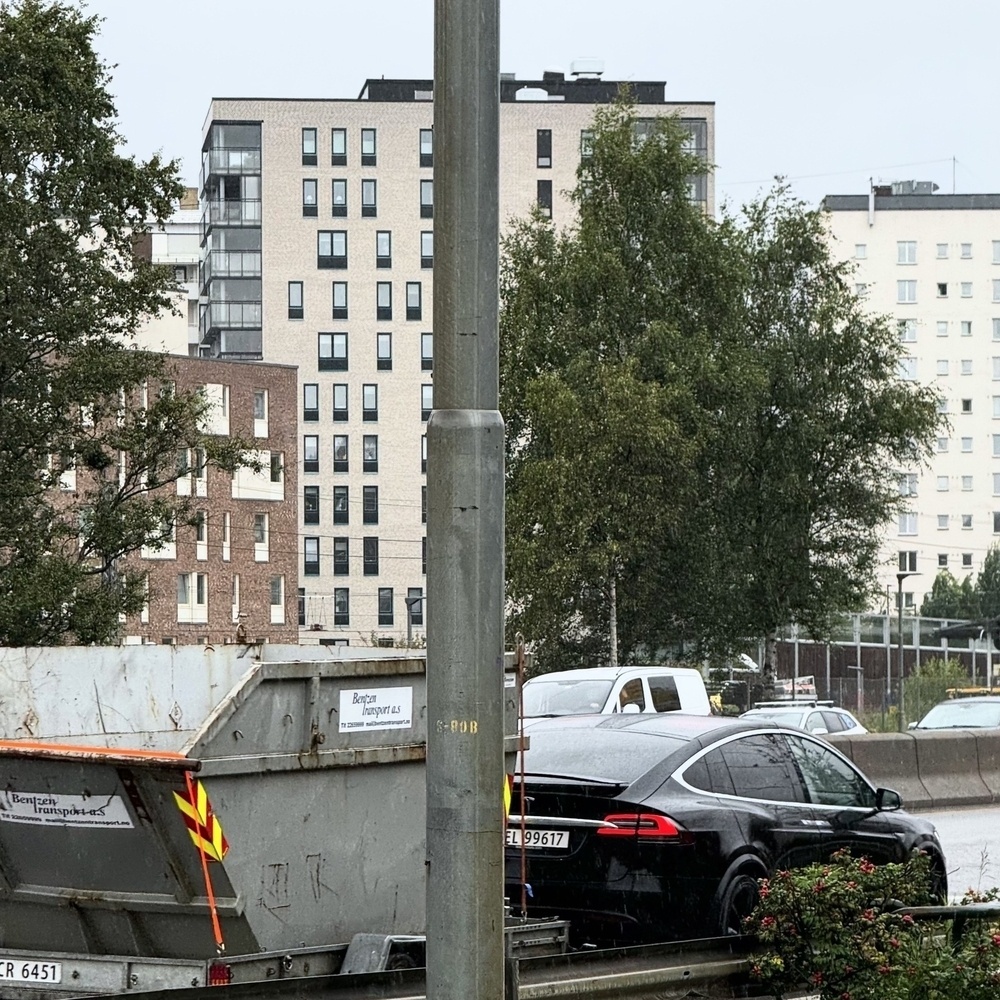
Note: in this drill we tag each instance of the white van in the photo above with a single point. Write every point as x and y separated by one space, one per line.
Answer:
605 690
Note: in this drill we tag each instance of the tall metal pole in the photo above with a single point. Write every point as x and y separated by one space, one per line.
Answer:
900 577
465 522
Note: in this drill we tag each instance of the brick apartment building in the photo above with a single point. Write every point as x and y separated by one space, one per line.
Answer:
234 575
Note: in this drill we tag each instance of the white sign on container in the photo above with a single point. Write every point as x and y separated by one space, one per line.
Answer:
51 809
376 708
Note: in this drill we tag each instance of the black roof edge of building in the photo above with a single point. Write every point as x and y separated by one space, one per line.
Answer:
585 90
911 202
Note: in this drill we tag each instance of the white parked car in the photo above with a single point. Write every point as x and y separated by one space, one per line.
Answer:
605 690
813 717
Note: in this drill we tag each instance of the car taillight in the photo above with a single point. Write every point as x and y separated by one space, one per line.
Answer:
220 974
647 826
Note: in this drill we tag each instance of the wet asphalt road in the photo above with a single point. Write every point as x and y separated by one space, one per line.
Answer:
971 841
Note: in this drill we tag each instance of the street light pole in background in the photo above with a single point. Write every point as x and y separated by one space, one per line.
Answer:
900 577
465 518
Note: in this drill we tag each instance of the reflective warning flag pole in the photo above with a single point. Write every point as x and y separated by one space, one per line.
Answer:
200 843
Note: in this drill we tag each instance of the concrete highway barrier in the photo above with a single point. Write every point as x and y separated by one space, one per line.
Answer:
931 770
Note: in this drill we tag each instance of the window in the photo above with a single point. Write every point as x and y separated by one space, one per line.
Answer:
339 300
310 453
966 560
311 556
942 560
310 401
369 454
415 605
966 289
331 249
192 597
383 300
261 539
310 206
830 780
339 198
908 368
544 197
942 445
907 329
942 251
906 291
996 484
369 402
423 453
369 198
423 555
942 522
310 505
341 606
942 289
426 401
906 252
339 402
907 523
385 605
341 556
663 692
277 600
370 553
426 147
543 148
996 445
942 484
586 143
383 351
277 466
966 366
860 251
966 249
338 147
414 309
967 445
966 405
340 453
369 505
966 327
295 300
942 367
966 522
368 147
996 522
259 405
309 147
383 248
996 290
907 484
427 249
427 199
942 328
423 504
333 352
908 561
761 767
426 352
341 505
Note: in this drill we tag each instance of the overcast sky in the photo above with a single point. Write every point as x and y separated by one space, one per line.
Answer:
825 93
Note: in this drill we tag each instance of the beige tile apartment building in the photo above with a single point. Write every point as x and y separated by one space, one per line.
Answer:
932 261
318 252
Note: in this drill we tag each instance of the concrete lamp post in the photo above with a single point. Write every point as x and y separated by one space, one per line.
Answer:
900 577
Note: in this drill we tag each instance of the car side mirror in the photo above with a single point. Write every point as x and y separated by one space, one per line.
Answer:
886 800
912 725
819 731
631 709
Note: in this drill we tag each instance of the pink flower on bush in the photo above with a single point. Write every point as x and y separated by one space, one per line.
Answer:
894 942
767 922
907 918
868 915
866 867
996 940
816 979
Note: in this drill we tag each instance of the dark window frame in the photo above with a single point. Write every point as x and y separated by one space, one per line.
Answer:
341 413
369 504
383 260
310 414
426 159
310 159
383 313
310 505
369 159
385 597
338 312
416 312
341 505
310 210
296 312
339 209
341 555
543 148
369 413
341 464
338 159
383 362
310 464
369 555
369 210
427 206
310 566
369 464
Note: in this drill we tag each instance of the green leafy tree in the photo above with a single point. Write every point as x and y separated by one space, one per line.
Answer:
988 584
72 294
948 598
609 367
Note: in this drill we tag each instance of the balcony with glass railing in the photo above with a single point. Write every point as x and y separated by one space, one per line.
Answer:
235 213
229 161
230 316
230 264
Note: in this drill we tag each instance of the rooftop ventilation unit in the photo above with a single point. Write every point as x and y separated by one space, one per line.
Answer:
587 68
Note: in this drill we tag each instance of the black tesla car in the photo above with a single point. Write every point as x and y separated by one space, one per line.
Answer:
644 828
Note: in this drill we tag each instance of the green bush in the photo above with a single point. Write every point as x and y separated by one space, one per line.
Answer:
833 929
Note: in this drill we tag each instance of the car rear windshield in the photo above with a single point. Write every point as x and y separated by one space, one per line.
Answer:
959 714
565 697
617 755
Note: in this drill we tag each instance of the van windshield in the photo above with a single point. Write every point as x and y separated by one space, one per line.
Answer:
565 697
